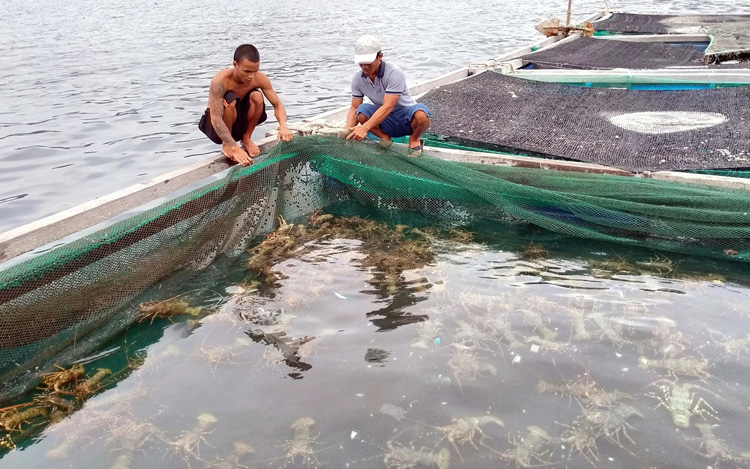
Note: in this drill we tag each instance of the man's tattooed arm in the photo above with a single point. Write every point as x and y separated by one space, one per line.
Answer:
216 105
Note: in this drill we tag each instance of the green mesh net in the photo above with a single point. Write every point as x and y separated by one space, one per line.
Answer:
65 303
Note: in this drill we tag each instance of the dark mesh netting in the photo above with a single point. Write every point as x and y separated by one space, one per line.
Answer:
665 24
59 306
730 34
592 53
636 130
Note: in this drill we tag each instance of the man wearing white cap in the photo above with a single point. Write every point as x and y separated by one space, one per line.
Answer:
393 112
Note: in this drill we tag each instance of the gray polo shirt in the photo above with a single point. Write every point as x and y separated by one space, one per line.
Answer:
390 80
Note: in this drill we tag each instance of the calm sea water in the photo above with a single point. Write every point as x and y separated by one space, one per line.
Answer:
518 348
98 96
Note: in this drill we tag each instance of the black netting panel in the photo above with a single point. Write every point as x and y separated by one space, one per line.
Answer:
664 24
633 129
593 53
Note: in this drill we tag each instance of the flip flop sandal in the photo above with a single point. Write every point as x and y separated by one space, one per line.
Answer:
415 152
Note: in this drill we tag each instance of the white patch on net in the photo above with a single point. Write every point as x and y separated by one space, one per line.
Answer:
315 127
655 123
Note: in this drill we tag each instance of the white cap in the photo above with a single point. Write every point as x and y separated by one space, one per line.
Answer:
366 49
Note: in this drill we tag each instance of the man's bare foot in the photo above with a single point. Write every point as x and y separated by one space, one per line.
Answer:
385 142
237 154
251 148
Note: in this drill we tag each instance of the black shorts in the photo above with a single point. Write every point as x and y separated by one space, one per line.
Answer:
240 125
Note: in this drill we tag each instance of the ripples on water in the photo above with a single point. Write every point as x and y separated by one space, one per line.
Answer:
517 348
100 95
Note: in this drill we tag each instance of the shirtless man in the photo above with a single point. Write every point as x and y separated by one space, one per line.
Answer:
236 106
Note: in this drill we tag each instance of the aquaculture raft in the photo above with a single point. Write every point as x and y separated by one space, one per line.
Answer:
645 99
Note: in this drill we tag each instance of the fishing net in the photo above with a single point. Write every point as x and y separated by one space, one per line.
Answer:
637 130
666 24
605 54
63 304
728 33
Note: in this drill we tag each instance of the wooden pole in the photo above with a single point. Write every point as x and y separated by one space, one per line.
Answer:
570 4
